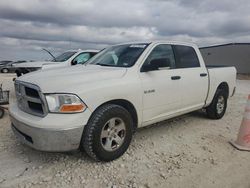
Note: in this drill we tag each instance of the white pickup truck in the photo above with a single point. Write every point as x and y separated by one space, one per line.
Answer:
66 59
98 106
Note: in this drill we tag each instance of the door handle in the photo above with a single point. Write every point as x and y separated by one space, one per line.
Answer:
203 74
175 77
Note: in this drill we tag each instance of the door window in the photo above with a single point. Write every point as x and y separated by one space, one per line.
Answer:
186 57
163 56
82 58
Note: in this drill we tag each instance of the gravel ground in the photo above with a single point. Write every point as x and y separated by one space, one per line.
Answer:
188 151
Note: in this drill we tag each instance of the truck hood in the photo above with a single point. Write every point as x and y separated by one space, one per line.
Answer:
35 64
68 79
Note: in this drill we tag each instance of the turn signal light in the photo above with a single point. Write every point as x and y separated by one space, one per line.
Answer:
72 108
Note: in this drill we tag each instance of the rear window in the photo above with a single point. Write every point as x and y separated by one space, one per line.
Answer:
185 56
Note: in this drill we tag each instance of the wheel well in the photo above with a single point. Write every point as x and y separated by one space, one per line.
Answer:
224 86
128 106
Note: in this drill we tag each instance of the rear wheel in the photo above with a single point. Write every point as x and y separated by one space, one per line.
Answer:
108 133
217 108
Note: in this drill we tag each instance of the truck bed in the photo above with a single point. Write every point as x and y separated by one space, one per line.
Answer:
220 74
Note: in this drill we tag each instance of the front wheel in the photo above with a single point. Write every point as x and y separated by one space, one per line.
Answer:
5 70
108 133
217 108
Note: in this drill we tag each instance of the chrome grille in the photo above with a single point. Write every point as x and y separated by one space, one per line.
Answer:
30 99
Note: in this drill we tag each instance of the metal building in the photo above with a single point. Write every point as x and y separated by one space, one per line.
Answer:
232 54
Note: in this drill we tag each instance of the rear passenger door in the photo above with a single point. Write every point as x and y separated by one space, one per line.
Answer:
194 78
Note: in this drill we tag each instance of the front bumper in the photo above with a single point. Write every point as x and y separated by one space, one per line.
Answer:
63 134
45 139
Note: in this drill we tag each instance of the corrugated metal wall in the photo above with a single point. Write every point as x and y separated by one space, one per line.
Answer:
237 55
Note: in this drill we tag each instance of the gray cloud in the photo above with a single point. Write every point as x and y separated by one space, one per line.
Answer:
29 25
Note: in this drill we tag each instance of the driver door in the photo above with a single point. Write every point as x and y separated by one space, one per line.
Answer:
161 86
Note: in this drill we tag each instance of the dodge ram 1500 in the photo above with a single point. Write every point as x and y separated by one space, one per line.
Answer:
99 105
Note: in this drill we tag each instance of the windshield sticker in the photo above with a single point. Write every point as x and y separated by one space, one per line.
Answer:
137 46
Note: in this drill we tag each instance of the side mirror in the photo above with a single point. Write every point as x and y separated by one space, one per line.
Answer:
74 62
148 67
156 64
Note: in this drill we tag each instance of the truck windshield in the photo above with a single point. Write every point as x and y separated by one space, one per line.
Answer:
64 56
119 56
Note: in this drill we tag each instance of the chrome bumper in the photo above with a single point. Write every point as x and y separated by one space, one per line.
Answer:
47 139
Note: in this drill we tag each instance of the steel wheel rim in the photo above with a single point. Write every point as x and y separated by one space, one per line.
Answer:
220 104
5 70
113 134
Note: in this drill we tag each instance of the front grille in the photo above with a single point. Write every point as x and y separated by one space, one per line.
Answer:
31 92
36 107
30 99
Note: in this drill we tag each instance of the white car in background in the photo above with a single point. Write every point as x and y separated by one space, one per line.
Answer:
68 58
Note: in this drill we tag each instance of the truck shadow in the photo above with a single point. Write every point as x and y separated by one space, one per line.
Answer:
39 158
176 121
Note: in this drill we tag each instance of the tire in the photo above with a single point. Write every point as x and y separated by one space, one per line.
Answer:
100 140
1 113
217 108
5 70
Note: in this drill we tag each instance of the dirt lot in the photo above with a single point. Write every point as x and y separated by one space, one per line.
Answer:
243 76
189 151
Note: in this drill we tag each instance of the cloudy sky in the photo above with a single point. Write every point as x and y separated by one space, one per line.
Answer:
27 26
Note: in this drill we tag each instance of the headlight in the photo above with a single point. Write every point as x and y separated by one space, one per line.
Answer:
65 103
